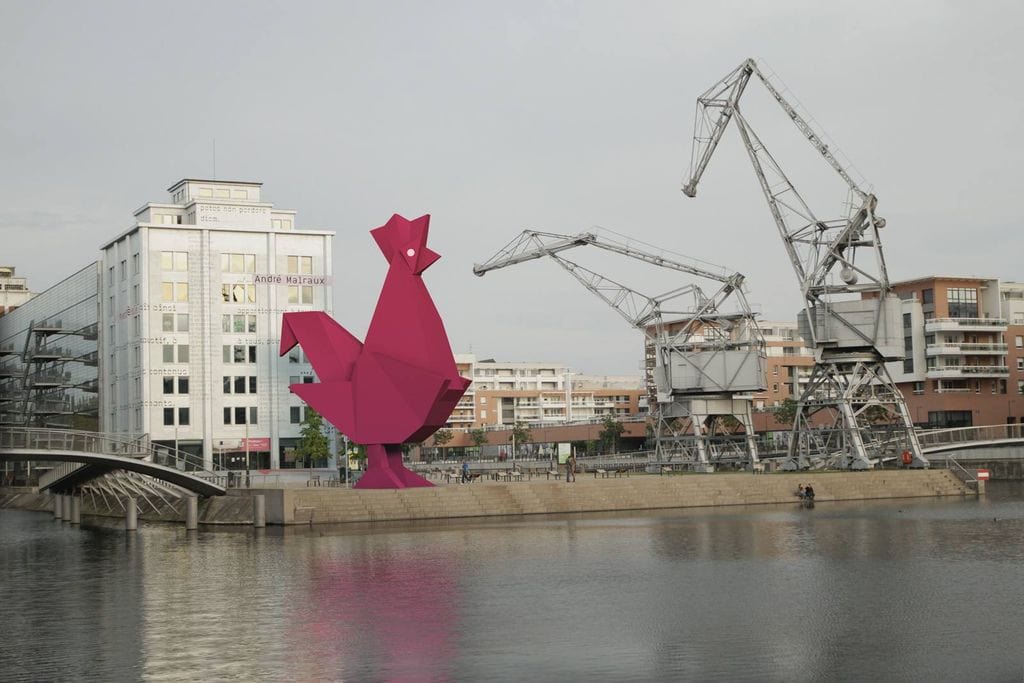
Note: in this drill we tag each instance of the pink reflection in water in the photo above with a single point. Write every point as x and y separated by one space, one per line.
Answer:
393 612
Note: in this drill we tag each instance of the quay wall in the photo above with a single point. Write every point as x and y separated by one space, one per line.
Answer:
588 494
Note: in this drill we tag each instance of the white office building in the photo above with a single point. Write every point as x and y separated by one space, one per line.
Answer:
191 298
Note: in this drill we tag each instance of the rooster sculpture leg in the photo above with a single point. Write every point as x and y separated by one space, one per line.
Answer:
384 469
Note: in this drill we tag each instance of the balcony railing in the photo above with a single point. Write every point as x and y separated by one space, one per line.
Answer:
959 371
958 349
955 323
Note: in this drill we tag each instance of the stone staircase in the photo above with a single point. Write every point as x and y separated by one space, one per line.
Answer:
639 492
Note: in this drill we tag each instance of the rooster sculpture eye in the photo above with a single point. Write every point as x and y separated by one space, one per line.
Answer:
410 253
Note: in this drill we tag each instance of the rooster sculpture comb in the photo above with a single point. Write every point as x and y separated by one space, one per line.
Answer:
407 240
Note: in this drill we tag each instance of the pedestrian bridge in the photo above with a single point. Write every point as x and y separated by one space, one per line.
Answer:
90 455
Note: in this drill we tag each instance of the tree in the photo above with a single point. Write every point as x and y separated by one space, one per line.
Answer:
441 437
786 413
313 444
478 437
876 414
521 434
611 431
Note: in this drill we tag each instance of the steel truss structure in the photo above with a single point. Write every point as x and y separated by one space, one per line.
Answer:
853 323
702 362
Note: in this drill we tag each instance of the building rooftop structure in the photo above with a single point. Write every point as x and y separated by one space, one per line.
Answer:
13 290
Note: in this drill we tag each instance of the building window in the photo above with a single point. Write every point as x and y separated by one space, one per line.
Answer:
238 263
775 388
183 416
906 321
110 273
183 322
124 269
174 291
135 295
167 322
240 416
238 324
1018 341
182 353
135 264
300 294
238 293
300 264
227 416
174 260
168 353
239 353
168 416
1020 363
296 355
918 387
168 385
295 415
775 370
252 384
908 365
252 415
1020 386
183 385
927 296
963 302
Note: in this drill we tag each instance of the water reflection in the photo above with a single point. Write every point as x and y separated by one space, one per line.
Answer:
913 590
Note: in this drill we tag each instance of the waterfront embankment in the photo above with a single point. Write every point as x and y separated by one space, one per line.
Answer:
317 505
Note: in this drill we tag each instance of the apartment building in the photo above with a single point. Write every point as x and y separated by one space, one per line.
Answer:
191 297
13 290
964 340
788 364
540 393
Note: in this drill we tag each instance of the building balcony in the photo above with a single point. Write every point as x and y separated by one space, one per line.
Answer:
968 372
964 324
958 349
8 350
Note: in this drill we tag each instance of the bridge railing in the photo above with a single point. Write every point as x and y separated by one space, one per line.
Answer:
944 437
42 439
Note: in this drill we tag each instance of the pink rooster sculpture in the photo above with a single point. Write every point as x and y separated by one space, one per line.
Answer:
398 386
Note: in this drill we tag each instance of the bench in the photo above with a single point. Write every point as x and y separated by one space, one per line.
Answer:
314 480
552 473
600 472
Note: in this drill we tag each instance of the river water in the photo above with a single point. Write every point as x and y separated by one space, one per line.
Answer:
898 590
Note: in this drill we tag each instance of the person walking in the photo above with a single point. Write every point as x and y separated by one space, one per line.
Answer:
465 471
570 468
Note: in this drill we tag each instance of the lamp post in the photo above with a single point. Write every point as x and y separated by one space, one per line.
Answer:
344 439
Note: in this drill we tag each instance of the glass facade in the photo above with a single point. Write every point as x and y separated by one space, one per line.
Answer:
49 358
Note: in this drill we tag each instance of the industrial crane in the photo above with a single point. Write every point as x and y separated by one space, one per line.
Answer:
853 323
702 362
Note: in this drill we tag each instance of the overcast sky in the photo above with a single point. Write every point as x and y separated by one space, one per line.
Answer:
498 117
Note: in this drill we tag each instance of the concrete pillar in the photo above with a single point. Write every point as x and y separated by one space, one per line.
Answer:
65 508
259 511
191 512
76 509
57 499
131 515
